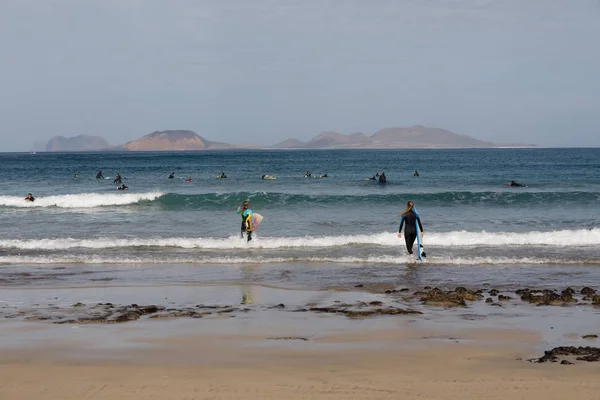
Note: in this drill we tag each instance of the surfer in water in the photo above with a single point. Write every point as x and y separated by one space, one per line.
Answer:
409 219
172 176
246 214
100 176
117 179
515 184
382 178
307 174
123 187
416 173
30 197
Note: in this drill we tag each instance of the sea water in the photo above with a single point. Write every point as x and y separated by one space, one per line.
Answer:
323 230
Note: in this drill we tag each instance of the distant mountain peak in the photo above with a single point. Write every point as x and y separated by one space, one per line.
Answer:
172 140
417 136
77 143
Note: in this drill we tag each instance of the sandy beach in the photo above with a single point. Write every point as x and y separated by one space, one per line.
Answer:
263 349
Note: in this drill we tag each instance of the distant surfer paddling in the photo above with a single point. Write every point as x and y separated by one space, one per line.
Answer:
30 197
409 220
515 184
100 176
247 225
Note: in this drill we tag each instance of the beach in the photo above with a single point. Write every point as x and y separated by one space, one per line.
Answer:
152 293
287 344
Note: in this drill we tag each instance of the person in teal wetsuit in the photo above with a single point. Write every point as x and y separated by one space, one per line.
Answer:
246 214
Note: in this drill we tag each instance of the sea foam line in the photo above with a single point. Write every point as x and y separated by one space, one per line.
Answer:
208 260
580 237
82 200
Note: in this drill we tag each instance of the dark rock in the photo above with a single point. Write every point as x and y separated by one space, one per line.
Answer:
347 310
359 285
289 338
179 314
494 292
78 305
460 290
427 288
134 305
504 298
146 310
566 362
596 300
404 289
547 297
449 299
124 317
489 300
376 303
587 291
589 354
589 337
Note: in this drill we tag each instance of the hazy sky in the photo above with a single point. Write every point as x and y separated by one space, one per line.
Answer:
258 71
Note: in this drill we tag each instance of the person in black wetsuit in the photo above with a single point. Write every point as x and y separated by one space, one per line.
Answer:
30 197
117 179
515 184
382 178
100 176
416 173
172 176
409 219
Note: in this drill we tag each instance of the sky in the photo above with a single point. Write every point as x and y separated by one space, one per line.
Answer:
261 71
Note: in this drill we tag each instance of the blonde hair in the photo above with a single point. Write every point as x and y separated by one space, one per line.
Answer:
409 207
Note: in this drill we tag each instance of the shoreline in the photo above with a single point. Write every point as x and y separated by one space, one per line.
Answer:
257 342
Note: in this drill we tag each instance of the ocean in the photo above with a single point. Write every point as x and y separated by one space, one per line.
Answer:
325 232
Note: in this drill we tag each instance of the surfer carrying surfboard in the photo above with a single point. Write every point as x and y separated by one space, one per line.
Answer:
409 219
247 223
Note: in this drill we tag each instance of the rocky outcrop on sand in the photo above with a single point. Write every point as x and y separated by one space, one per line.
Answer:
567 354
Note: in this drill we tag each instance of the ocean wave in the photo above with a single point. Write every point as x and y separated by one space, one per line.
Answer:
83 200
205 260
263 199
581 237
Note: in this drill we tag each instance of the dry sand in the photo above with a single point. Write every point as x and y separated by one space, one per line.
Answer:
336 367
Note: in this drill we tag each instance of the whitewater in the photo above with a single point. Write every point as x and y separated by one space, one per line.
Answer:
582 237
336 231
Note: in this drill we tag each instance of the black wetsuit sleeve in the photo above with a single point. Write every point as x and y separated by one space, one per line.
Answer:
401 224
419 222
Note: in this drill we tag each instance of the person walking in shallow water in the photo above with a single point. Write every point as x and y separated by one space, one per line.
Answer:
409 219
246 214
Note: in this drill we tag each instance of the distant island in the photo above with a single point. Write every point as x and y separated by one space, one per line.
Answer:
414 137
173 141
77 143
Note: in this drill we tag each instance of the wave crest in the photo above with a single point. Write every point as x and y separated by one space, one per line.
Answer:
581 237
83 200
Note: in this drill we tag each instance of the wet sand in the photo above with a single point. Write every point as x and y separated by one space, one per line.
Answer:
261 350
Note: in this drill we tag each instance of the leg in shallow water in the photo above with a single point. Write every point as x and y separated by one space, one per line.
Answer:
410 241
249 235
